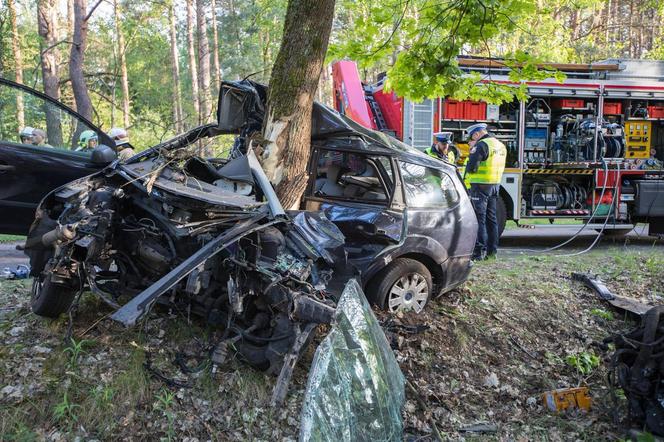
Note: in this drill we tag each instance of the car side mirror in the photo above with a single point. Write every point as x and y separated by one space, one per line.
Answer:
102 155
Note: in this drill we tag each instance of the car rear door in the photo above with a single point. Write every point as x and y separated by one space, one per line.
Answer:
29 171
356 191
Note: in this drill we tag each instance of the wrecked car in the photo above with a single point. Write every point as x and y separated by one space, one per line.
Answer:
171 227
409 225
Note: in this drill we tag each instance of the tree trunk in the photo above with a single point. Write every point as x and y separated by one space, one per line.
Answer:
293 84
77 59
177 103
18 63
204 62
47 27
215 47
192 60
123 65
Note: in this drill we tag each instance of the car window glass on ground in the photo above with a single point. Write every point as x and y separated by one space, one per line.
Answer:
353 176
44 123
426 187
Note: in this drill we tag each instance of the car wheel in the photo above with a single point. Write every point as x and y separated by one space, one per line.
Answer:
405 284
501 215
49 299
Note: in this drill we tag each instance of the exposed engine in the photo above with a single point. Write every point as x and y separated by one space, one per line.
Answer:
142 234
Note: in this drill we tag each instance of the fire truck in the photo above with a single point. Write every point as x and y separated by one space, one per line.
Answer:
589 148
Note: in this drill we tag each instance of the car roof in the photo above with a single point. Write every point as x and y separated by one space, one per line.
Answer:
330 129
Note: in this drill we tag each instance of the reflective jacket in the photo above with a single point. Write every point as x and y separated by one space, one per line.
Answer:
434 153
490 171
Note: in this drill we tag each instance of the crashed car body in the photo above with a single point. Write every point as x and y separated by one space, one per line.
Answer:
409 225
155 231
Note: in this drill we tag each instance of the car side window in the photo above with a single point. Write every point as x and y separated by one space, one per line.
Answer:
425 187
28 119
352 176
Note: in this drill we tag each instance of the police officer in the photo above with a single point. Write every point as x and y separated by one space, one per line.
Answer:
484 171
442 147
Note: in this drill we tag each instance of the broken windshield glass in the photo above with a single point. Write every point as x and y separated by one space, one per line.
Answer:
355 389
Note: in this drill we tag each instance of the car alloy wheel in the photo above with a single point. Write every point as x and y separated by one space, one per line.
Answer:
410 292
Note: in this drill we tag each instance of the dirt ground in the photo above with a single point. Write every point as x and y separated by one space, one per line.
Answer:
481 354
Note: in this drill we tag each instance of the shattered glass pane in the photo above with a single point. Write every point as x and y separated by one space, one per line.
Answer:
355 389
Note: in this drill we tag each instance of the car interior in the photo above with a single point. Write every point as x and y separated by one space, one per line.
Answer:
348 175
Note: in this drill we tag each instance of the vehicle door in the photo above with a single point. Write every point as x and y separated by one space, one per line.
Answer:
440 215
33 165
356 191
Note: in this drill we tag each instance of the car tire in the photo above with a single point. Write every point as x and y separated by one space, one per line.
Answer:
501 215
386 289
49 299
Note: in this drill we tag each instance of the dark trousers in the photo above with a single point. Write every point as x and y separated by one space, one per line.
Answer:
484 197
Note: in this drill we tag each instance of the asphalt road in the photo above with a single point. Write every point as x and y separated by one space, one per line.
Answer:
523 240
10 257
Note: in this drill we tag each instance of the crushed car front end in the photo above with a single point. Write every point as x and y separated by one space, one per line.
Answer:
208 238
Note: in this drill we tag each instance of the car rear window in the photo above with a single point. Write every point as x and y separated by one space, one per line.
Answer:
425 187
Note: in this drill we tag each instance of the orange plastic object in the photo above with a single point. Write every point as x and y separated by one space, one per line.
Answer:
564 398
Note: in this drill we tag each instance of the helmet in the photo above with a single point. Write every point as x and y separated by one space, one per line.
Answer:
85 137
26 134
118 133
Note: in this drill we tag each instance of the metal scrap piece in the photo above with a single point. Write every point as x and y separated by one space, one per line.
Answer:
621 303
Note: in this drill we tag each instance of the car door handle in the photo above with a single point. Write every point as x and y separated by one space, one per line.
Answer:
7 168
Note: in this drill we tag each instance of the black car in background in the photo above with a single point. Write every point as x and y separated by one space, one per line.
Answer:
29 171
408 223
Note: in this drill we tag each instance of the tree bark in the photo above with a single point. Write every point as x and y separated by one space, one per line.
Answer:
124 79
192 60
204 63
215 47
177 103
297 68
18 62
77 59
47 27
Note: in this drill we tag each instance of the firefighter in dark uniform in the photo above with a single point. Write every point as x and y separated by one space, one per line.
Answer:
484 171
442 148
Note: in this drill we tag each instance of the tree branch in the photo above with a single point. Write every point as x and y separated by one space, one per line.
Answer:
87 17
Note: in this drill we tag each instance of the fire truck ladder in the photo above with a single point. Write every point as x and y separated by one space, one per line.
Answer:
375 109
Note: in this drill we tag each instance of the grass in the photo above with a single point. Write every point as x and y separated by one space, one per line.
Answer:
11 238
520 317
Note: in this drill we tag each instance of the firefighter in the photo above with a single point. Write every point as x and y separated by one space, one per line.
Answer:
87 140
442 148
26 135
484 171
121 139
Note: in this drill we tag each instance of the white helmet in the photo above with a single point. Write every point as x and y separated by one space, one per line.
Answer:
119 135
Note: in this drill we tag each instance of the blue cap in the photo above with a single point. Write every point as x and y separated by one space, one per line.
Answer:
470 130
443 137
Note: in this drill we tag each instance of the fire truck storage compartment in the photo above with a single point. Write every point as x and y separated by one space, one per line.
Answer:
656 111
565 195
568 103
464 110
474 110
649 201
453 110
612 108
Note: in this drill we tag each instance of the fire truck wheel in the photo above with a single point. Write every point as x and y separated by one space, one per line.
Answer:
501 215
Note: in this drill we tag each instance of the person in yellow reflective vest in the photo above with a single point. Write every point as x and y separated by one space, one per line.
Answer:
484 170
442 148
